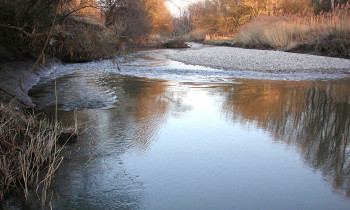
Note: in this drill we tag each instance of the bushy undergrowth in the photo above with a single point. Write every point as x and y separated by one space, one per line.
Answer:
77 40
29 153
326 33
36 29
74 40
197 35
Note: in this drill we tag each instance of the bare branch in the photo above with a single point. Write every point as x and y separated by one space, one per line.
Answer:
15 28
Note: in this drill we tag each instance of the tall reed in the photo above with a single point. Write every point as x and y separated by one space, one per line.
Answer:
288 32
28 150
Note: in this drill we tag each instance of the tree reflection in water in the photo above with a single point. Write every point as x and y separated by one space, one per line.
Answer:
152 101
136 109
314 116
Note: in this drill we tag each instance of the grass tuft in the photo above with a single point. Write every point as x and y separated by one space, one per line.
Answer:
29 152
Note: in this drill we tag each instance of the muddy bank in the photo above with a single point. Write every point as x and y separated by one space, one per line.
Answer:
17 78
28 142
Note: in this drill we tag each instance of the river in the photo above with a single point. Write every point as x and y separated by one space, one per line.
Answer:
160 134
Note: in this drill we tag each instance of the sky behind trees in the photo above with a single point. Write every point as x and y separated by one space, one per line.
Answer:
175 6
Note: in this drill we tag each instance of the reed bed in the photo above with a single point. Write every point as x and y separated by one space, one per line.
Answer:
29 152
326 33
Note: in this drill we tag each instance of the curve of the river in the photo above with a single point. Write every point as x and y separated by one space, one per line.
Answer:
160 134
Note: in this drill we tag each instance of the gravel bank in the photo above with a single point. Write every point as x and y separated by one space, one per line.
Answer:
231 58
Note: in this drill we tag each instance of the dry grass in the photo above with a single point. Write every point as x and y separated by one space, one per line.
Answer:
29 153
197 35
313 32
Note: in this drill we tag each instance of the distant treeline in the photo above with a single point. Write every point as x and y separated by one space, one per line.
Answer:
225 16
305 26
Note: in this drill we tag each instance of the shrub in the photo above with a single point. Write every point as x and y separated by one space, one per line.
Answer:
197 35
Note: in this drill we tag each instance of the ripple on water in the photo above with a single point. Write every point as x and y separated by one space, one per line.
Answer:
202 140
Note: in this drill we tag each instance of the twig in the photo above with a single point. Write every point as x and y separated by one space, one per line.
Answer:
15 28
12 145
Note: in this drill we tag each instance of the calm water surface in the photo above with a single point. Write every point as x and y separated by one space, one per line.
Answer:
198 139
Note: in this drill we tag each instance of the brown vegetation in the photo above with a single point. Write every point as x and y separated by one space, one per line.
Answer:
175 43
41 28
224 16
197 35
159 15
326 33
77 31
81 41
311 26
29 153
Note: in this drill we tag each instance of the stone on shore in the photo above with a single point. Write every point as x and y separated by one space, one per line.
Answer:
231 58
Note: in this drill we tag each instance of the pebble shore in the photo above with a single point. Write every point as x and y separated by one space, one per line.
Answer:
231 58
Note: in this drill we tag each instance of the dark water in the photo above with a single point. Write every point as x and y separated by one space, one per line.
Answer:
195 141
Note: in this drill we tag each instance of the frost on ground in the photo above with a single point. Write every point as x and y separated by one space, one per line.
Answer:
231 58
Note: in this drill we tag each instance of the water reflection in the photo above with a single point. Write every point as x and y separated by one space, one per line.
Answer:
150 143
314 116
134 109
151 101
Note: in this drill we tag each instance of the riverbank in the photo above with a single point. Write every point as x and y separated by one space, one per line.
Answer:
30 145
239 59
325 33
19 77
